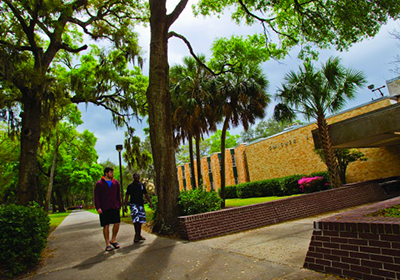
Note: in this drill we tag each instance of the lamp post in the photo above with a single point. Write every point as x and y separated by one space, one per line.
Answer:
119 148
371 87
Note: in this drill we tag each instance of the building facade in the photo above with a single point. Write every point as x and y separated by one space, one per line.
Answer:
291 152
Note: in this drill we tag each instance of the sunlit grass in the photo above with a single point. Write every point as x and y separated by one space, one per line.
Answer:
56 219
236 202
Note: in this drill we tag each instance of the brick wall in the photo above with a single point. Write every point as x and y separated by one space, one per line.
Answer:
225 221
353 245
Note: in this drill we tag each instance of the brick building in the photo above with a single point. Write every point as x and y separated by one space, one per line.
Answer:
373 128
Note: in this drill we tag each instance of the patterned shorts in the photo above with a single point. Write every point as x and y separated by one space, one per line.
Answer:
138 213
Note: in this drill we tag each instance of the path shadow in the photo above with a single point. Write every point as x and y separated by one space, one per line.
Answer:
89 263
156 255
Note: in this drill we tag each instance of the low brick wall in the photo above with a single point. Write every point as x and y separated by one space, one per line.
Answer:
238 219
358 246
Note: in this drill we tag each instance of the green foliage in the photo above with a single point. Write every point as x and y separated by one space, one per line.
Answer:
250 189
316 92
311 24
154 201
182 154
24 233
388 212
343 158
276 187
324 174
230 192
215 141
265 128
290 184
199 201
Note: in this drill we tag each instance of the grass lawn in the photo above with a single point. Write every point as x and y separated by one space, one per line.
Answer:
56 219
236 202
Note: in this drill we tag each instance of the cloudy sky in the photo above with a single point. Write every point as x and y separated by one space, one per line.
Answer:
373 57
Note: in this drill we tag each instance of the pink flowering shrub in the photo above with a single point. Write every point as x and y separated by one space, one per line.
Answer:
312 184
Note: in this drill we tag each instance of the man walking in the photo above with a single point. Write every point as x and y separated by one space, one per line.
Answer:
107 200
135 191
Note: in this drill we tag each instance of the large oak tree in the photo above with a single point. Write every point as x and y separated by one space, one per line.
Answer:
39 36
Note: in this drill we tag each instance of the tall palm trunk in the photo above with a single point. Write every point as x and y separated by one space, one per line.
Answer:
30 136
223 138
192 177
329 154
198 160
160 121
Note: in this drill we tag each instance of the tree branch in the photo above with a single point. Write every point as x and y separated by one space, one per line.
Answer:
20 48
263 20
172 17
174 34
28 31
64 46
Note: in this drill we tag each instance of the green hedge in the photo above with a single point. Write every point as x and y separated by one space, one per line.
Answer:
230 192
199 201
271 187
23 232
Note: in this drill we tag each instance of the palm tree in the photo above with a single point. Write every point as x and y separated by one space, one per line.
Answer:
316 93
189 95
241 99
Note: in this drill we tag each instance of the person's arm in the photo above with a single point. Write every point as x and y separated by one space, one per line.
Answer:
97 198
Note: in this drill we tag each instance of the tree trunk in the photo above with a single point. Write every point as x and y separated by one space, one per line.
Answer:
342 173
223 138
50 188
160 122
30 135
60 202
192 175
199 176
53 202
328 151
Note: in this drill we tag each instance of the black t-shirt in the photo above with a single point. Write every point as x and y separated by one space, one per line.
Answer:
136 192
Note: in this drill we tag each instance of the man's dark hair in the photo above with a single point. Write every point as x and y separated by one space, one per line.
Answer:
108 169
136 174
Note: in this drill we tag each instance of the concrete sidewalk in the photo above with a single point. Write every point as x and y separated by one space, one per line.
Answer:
76 251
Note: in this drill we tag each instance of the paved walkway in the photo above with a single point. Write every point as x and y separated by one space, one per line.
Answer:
76 251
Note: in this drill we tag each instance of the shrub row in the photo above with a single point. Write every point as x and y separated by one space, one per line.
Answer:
23 232
198 201
273 187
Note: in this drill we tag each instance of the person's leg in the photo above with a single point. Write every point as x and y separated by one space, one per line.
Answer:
138 230
114 233
106 233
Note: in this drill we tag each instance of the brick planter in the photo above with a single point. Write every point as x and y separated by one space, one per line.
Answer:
354 245
238 219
